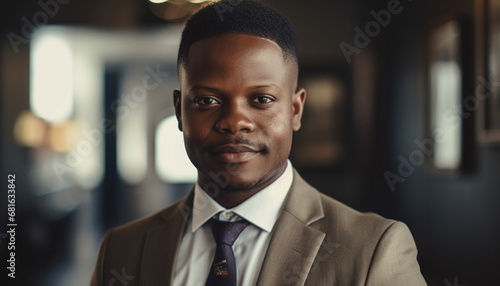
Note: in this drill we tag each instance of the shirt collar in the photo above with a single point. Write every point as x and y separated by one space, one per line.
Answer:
267 201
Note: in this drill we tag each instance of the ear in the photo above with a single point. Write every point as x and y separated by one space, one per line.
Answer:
177 105
298 101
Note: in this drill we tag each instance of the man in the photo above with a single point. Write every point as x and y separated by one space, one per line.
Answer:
250 219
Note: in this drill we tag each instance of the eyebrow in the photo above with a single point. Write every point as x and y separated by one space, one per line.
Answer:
199 86
213 89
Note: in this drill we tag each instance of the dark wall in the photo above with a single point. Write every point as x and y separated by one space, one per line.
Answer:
454 217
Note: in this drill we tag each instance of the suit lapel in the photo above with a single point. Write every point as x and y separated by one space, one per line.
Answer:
162 244
294 244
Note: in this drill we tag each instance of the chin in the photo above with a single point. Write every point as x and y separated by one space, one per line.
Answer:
241 186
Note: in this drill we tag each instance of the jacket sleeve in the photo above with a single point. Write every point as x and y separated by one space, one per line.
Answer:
394 260
97 276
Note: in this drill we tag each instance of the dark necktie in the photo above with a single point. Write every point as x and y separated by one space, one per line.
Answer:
223 269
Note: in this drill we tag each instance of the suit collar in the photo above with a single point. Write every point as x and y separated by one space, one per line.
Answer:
303 201
294 244
162 244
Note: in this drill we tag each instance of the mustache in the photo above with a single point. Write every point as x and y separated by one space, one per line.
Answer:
240 141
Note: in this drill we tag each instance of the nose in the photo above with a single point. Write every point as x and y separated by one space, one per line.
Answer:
234 118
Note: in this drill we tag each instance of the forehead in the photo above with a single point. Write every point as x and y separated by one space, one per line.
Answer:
236 55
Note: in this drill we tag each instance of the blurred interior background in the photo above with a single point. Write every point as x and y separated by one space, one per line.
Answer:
402 119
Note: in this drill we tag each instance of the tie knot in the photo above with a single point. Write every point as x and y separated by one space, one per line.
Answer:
226 232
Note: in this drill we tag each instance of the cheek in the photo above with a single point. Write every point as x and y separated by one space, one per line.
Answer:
279 130
194 137
193 125
195 132
192 143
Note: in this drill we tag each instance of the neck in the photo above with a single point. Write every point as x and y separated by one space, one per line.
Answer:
230 197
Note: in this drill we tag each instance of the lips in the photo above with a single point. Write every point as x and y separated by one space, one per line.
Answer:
234 153
234 148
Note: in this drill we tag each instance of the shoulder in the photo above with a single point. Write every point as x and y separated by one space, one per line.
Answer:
126 247
123 247
357 230
350 220
144 224
380 251
362 231
330 215
359 233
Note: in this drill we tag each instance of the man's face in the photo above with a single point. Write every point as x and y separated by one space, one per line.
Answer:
238 107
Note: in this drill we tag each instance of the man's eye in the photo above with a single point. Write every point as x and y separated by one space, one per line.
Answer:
262 99
206 101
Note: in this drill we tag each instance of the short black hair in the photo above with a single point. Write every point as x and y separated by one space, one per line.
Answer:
238 17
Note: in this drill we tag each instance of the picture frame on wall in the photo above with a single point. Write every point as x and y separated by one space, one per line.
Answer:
490 111
321 143
444 79
449 125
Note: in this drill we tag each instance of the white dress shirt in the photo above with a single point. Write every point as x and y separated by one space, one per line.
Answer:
197 249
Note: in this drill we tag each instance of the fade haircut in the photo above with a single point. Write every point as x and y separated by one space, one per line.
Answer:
238 17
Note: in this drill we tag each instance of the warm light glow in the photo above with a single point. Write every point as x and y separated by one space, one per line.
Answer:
63 136
29 130
171 160
51 71
158 1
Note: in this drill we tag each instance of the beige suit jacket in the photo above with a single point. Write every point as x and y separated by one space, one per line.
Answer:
316 241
